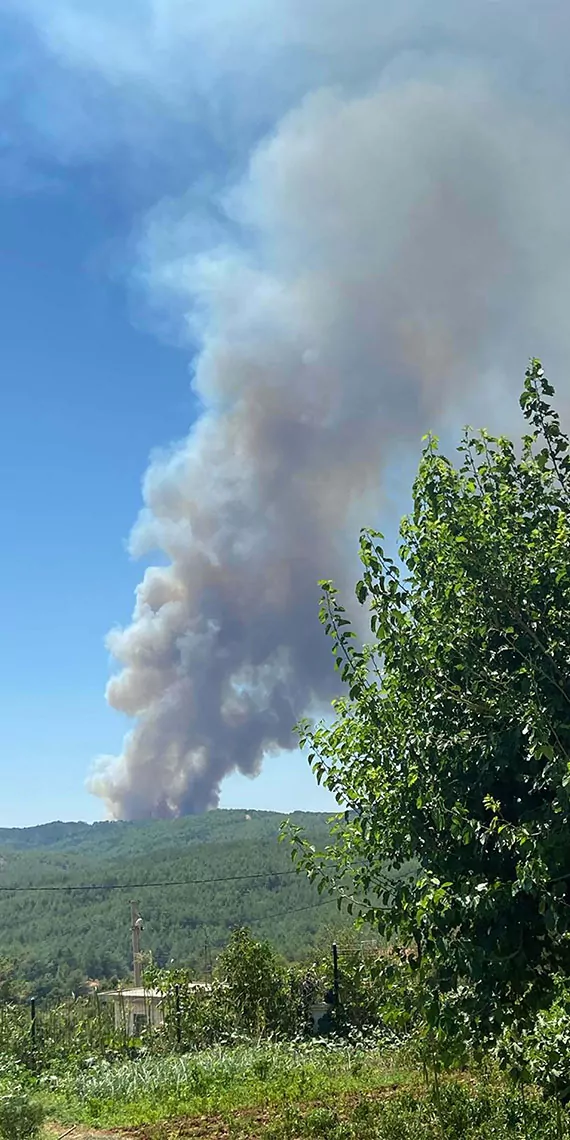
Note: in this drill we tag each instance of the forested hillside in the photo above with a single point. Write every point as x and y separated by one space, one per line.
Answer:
52 941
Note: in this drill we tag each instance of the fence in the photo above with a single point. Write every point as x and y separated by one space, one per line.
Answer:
35 1030
190 1015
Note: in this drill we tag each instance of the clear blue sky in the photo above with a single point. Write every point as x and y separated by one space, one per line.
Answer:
87 393
86 396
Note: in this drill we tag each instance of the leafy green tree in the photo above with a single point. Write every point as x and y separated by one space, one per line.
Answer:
11 986
252 993
451 748
256 984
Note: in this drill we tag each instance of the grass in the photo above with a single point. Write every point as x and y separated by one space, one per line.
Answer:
309 1091
461 1111
216 1082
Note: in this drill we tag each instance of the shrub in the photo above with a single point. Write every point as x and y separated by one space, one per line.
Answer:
540 1054
21 1116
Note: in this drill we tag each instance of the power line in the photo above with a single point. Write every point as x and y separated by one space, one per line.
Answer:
141 886
295 910
269 917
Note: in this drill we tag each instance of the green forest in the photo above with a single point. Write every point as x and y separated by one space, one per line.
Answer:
52 942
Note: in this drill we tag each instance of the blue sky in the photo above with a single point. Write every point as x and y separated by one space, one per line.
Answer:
88 393
79 420
315 197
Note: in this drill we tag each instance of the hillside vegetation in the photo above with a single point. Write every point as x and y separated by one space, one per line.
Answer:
50 942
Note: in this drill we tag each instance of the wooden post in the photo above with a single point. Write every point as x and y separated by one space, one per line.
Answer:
178 1015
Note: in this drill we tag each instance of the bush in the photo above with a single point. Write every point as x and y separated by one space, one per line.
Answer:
540 1053
458 1111
21 1117
253 994
256 984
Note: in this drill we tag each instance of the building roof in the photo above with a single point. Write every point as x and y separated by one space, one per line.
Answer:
136 992
154 995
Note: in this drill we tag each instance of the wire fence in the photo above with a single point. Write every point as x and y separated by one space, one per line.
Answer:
97 1025
124 1022
121 1023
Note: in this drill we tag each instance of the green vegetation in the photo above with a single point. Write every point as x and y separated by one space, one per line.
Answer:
20 1116
237 1059
217 1081
452 752
452 746
330 1090
21 1109
245 1064
50 943
458 1110
252 994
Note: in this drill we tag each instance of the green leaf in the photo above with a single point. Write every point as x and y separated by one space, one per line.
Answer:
469 687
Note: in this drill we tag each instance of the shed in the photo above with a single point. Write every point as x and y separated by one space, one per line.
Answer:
136 1009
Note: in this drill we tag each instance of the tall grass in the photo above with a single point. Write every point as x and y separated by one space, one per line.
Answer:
277 1091
216 1080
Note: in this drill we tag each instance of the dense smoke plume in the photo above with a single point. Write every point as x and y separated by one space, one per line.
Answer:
385 263
406 250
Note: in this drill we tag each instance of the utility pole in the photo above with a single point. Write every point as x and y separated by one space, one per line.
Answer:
136 927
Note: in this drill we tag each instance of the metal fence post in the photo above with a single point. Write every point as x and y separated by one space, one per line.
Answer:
33 1023
178 1014
336 984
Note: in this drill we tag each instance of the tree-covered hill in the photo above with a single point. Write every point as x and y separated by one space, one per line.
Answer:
52 941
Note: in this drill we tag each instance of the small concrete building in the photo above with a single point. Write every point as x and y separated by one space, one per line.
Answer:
136 1009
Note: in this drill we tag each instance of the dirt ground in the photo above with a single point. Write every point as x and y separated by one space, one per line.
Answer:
196 1128
58 1131
248 1123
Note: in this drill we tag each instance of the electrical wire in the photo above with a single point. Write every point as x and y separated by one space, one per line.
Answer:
295 910
262 918
140 886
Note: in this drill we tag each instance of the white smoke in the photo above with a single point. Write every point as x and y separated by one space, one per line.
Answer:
403 247
394 251
158 75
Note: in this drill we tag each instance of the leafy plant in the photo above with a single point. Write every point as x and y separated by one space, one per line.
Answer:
463 1111
255 984
451 748
252 994
21 1117
220 1079
539 1054
21 1113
